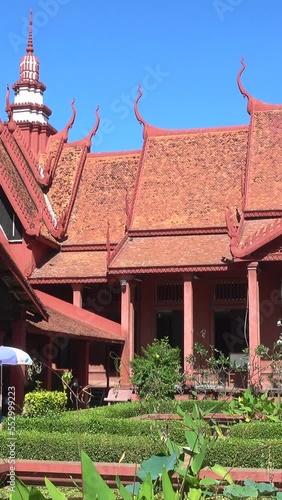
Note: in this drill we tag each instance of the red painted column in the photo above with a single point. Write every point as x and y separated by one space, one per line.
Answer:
77 294
254 322
127 331
17 377
188 320
83 367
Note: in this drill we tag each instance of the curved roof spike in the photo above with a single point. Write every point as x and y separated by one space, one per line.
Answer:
8 108
29 48
11 122
136 110
94 129
243 91
108 242
65 132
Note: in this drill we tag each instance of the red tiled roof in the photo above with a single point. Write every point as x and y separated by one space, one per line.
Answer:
187 180
68 265
172 251
65 318
106 183
264 173
68 168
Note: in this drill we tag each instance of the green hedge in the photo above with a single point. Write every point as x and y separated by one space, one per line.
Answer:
127 410
87 423
31 445
257 430
105 448
266 454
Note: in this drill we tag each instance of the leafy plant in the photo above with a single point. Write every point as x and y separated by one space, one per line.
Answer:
66 379
256 406
157 372
41 402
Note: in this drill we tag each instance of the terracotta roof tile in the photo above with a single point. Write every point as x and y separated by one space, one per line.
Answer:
84 265
75 321
187 180
61 190
264 176
169 251
101 196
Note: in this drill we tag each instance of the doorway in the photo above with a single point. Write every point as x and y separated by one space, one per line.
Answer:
171 324
230 330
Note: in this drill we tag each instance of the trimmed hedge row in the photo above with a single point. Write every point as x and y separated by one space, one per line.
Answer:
105 448
89 424
133 409
256 453
31 445
257 429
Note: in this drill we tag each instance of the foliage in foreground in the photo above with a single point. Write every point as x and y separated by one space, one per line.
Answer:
175 472
154 479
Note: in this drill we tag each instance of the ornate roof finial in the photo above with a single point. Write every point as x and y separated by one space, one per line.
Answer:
29 48
108 242
11 122
94 129
8 108
127 213
243 91
64 133
136 110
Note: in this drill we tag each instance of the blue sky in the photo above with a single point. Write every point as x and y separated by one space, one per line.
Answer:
185 53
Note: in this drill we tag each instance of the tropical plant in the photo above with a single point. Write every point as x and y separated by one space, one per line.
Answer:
253 406
157 373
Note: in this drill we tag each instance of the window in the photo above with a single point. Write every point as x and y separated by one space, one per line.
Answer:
232 290
8 219
169 292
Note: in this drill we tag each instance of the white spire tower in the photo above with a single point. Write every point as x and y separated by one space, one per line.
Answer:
28 103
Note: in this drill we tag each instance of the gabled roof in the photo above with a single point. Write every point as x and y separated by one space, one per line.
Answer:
16 190
264 172
171 253
67 319
104 194
186 178
21 187
83 266
63 189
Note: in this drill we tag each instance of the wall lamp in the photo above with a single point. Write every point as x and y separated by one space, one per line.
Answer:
123 284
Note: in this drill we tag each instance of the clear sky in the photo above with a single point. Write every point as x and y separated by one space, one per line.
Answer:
185 53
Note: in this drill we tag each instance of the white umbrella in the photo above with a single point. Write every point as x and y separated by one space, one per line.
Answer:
12 356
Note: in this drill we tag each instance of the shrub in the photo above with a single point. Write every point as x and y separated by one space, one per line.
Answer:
255 453
158 371
42 402
253 430
87 423
32 445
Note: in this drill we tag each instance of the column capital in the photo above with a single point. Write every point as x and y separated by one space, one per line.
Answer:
253 266
190 276
77 287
